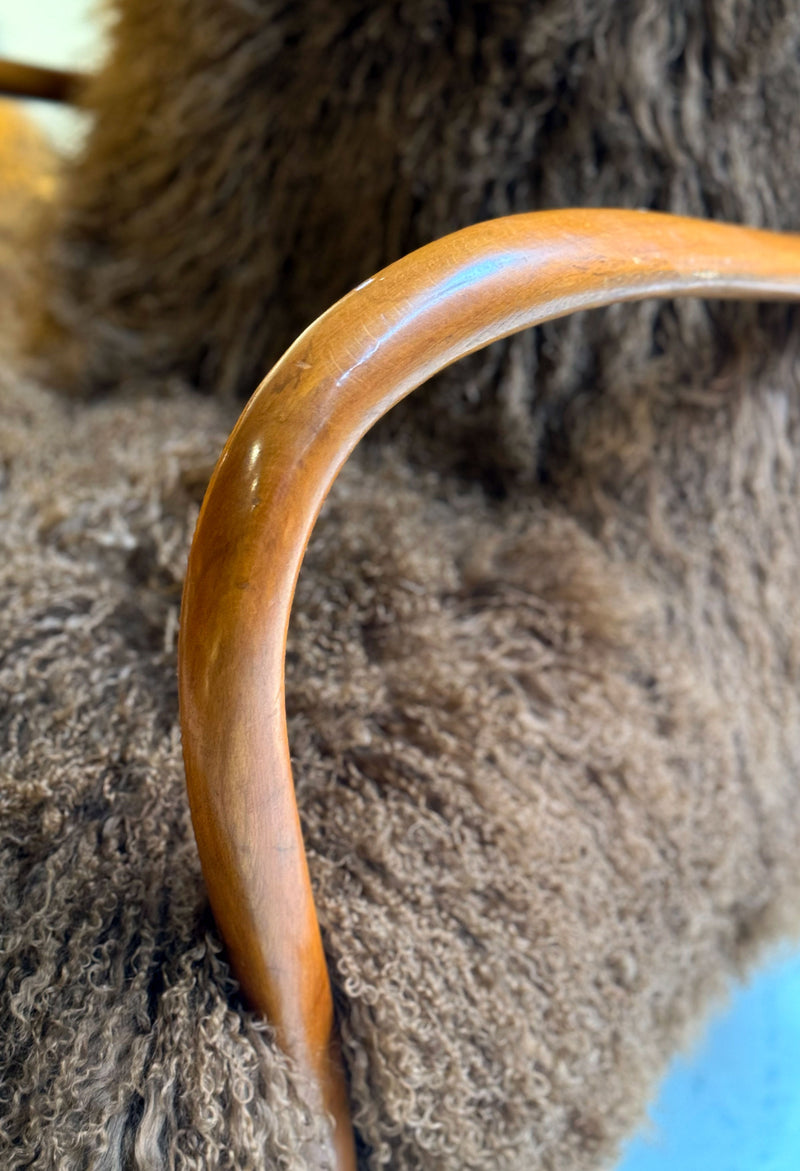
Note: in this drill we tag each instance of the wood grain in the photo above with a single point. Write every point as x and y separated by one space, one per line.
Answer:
348 368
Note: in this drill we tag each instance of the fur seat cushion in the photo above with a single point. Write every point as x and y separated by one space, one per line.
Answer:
543 665
547 784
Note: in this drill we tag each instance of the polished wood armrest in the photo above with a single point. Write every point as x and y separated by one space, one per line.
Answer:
346 370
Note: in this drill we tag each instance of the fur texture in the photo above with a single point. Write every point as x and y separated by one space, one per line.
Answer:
252 161
547 787
544 719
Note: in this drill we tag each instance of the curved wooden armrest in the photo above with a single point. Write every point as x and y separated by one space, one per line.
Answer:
355 362
35 81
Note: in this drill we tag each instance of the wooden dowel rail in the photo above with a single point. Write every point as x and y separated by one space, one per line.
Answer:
21 80
346 370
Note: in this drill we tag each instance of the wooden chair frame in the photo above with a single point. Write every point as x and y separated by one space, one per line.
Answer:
21 80
342 374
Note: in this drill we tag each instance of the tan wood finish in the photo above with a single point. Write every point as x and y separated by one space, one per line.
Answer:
348 368
35 81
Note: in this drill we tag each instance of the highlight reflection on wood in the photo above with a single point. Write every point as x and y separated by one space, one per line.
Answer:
354 363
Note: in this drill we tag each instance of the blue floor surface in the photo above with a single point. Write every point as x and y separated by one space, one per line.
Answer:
734 1103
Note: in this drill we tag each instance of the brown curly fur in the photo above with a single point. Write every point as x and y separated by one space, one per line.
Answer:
252 161
544 719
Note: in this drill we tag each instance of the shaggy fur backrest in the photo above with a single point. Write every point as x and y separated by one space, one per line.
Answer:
542 688
252 162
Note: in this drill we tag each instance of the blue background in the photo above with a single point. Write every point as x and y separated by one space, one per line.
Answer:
733 1104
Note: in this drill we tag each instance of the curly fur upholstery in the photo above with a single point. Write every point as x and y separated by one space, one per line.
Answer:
542 675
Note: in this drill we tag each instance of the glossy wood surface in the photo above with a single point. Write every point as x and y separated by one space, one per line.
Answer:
35 81
348 368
